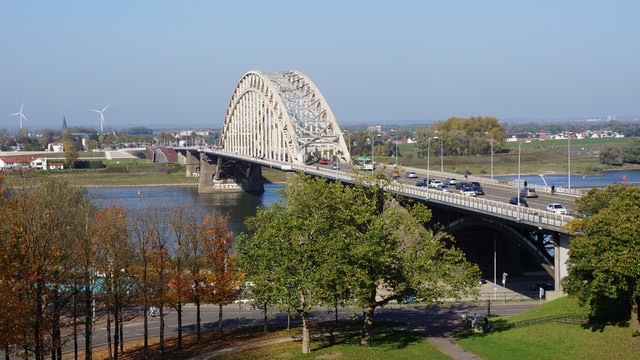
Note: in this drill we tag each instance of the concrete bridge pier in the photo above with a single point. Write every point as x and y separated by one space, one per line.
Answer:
219 174
191 161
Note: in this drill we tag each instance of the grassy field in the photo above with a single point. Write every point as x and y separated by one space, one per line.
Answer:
553 340
516 338
548 157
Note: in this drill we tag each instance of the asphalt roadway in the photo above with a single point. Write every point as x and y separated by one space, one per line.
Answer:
435 323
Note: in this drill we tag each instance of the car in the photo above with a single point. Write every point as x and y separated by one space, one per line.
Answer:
528 193
557 208
478 190
450 181
435 183
444 188
482 280
409 300
475 183
462 184
421 183
335 167
411 174
545 286
468 191
514 201
324 161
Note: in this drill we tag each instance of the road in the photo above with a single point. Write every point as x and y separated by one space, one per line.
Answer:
496 192
432 321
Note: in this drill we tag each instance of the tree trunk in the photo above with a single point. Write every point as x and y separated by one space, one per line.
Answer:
635 320
179 310
220 320
109 346
367 325
198 328
306 338
265 318
88 318
161 329
116 328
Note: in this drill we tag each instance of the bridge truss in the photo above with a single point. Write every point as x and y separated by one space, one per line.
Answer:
282 116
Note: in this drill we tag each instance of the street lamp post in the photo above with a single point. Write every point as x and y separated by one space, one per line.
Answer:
518 194
373 166
491 135
428 158
441 156
569 161
395 140
371 140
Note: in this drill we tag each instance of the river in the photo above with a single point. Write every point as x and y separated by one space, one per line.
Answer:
238 205
562 180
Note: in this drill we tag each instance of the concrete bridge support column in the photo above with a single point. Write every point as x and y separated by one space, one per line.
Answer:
208 169
191 161
219 174
561 252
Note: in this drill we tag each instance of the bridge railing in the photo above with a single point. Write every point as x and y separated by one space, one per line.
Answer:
515 212
496 208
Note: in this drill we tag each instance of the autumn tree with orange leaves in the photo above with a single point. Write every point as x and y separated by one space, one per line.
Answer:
223 280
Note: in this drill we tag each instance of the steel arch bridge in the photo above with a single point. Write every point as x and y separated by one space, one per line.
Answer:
281 116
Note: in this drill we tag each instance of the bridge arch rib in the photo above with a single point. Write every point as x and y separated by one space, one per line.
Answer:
281 116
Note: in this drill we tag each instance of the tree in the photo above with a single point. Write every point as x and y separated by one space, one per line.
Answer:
631 152
333 242
611 155
224 280
294 245
45 223
604 255
185 227
115 254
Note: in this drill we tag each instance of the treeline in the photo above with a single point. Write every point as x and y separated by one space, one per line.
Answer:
66 263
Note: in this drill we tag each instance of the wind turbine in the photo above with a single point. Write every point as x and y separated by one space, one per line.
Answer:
101 118
20 114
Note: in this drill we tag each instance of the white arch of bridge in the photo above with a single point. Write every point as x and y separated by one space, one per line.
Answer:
281 116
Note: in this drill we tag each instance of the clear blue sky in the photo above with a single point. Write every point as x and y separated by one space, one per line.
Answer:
175 63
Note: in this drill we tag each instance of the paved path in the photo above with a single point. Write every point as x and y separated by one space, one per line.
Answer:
435 324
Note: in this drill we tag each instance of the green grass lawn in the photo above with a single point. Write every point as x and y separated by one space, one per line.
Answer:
553 340
388 345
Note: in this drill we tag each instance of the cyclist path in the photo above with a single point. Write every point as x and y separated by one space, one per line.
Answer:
434 323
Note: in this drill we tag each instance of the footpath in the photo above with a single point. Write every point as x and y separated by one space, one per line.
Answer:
434 325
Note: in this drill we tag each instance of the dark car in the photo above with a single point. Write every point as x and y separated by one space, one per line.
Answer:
537 286
422 183
462 184
514 201
478 190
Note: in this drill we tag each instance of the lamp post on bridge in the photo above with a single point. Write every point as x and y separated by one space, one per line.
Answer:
518 194
428 158
395 140
372 144
569 161
491 135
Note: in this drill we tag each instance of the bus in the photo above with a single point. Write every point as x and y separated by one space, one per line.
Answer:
363 163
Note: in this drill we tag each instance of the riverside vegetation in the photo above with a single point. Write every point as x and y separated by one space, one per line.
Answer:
550 156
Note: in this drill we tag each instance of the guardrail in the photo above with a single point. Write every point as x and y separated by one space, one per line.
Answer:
517 213
497 208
